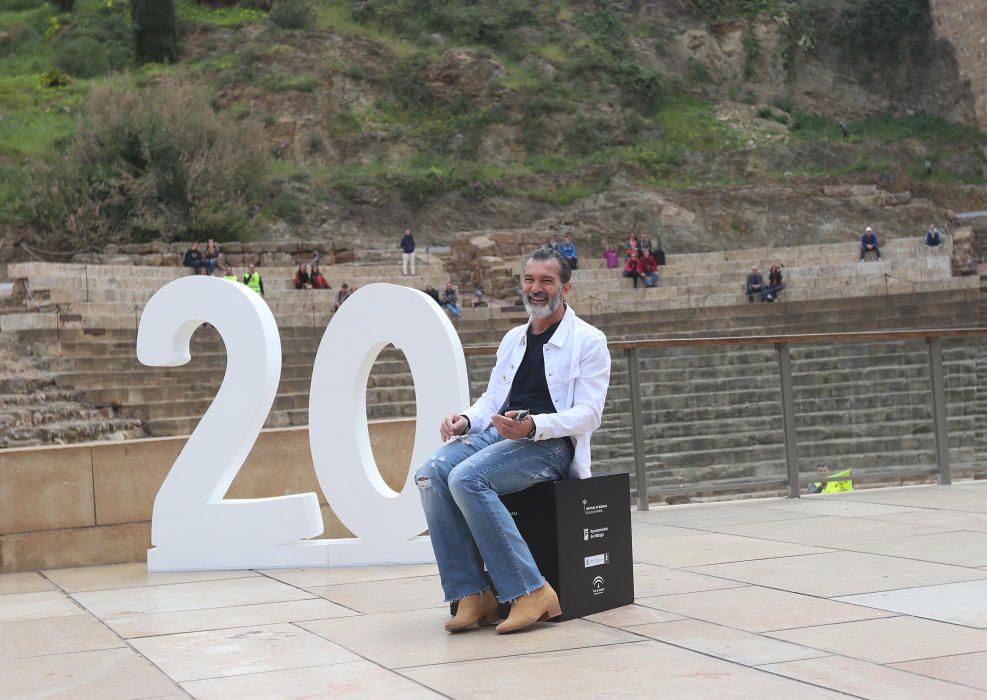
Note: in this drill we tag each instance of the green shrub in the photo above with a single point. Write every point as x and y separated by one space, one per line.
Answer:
292 14
96 40
487 23
54 78
82 57
149 163
19 5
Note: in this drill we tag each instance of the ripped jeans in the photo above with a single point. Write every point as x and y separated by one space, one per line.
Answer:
459 486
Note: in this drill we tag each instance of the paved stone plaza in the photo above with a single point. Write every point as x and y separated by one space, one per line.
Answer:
876 594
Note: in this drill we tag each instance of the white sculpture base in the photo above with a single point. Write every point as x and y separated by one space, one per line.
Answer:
300 555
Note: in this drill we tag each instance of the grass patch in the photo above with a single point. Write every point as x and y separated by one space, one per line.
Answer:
190 11
285 82
692 124
886 129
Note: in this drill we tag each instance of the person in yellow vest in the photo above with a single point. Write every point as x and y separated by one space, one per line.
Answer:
228 274
831 483
252 279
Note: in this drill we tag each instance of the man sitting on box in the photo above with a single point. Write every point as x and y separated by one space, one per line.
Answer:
533 424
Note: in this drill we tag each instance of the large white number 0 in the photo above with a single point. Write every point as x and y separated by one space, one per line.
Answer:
194 527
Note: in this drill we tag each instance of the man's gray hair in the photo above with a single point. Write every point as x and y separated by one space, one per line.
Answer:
549 253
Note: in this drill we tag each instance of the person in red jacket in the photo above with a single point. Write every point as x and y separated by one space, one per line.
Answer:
318 280
647 270
630 265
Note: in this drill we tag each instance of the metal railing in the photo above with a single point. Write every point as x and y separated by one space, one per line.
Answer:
782 344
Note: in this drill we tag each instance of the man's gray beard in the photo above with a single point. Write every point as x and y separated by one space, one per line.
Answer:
539 312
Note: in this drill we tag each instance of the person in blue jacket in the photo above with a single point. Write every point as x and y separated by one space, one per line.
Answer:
868 244
568 249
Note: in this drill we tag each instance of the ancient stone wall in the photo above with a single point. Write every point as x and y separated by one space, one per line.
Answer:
964 24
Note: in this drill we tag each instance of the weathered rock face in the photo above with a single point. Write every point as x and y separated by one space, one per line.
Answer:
489 259
962 24
463 74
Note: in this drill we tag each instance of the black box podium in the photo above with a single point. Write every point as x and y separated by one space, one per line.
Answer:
579 532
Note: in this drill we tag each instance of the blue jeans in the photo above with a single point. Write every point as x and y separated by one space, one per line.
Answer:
453 309
459 486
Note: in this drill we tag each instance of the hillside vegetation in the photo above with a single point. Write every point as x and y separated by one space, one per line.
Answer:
350 120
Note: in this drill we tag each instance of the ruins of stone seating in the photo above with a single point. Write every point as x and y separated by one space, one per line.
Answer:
712 416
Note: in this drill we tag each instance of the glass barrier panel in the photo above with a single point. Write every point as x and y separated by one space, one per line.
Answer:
712 423
964 367
863 410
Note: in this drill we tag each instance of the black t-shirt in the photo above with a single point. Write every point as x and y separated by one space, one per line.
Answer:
530 388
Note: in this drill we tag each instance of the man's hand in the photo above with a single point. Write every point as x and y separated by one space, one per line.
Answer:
453 424
510 428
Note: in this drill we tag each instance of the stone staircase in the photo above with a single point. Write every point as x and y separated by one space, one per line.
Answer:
113 296
34 410
717 279
712 415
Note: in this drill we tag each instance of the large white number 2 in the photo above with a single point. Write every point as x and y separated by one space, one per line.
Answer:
194 527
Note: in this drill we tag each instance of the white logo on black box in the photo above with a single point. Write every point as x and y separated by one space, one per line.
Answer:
585 534
598 587
593 508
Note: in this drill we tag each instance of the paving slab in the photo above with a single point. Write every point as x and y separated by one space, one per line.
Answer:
746 599
868 680
37 606
388 595
726 642
106 674
97 578
651 580
54 635
704 516
758 609
155 624
26 582
841 573
232 652
822 505
622 670
188 596
713 548
355 679
966 669
960 548
417 638
889 640
832 531
958 603
944 519
306 578
631 616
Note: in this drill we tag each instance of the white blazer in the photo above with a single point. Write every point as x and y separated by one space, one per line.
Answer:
577 370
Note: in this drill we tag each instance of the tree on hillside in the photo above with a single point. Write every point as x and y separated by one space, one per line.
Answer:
154 26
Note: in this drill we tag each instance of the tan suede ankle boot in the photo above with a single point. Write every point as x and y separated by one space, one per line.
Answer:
540 604
479 608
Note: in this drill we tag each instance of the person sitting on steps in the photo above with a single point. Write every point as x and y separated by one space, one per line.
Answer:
647 269
302 280
755 285
868 244
318 280
775 284
630 265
